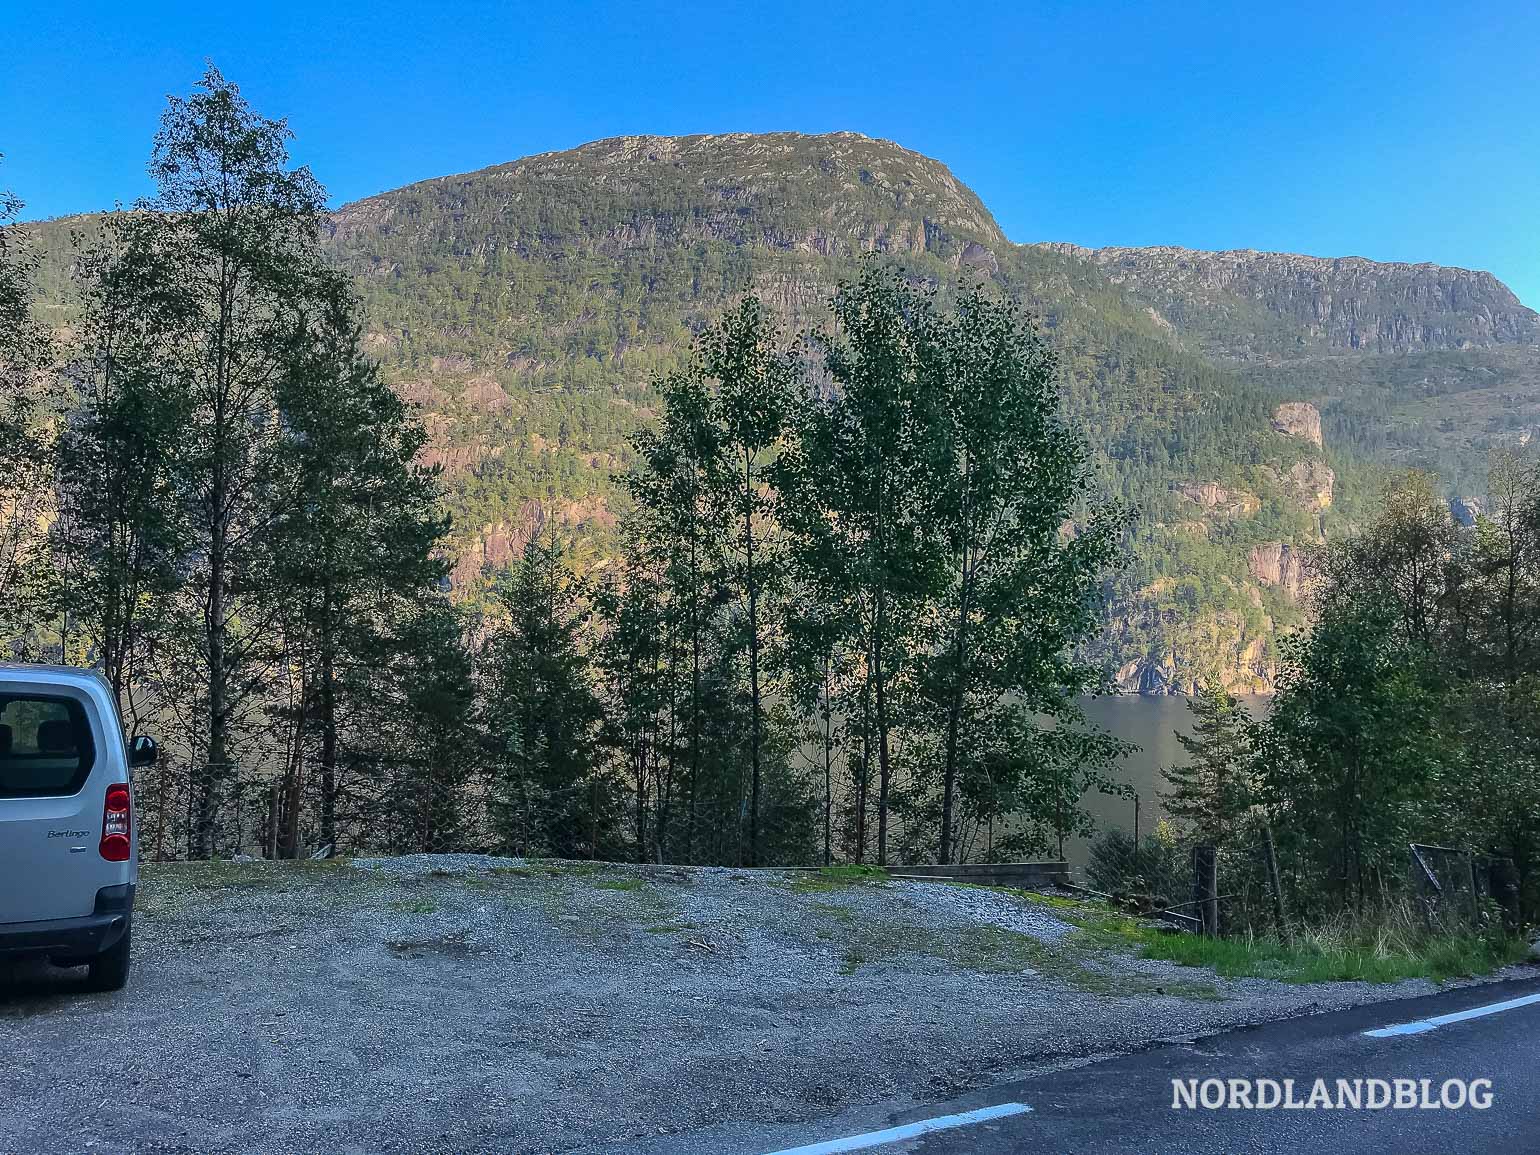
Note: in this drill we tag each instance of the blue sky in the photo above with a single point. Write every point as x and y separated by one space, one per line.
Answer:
1397 131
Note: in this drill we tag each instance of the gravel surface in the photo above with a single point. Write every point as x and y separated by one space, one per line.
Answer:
468 1003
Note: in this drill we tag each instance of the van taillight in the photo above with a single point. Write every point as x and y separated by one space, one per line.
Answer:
115 824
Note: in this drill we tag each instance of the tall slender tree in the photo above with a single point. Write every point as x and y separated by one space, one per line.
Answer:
680 469
231 273
1023 593
752 387
123 529
25 444
548 794
358 523
863 484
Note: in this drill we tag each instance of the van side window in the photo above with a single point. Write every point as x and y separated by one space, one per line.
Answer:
45 746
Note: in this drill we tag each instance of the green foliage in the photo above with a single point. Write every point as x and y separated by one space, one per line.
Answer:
245 541
531 307
1359 959
25 443
1405 714
1211 794
548 795
1157 866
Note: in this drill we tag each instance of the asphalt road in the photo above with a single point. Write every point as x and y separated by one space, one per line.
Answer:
1125 1104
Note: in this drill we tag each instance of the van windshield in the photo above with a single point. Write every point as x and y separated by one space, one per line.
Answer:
45 746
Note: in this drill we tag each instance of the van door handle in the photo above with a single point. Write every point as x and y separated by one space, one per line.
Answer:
77 849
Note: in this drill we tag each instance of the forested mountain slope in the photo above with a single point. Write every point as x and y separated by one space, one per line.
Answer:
1411 364
528 307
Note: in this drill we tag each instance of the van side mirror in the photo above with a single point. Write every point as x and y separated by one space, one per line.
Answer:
142 751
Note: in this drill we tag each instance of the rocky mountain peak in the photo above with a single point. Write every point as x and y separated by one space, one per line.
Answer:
837 193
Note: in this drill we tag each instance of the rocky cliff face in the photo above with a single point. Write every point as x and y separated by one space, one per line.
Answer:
1299 419
1312 484
1215 498
1465 510
1245 304
1279 564
1225 647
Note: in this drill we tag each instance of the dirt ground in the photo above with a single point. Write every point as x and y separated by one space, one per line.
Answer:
472 1004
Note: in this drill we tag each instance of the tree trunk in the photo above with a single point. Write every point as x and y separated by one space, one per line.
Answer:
954 715
328 727
828 768
215 764
219 498
754 726
694 696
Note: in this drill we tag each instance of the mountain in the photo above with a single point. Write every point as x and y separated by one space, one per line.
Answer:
1411 364
1241 402
1246 306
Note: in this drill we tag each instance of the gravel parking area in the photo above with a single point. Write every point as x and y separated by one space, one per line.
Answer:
465 1003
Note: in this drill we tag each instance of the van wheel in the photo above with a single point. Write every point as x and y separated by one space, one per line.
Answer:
109 970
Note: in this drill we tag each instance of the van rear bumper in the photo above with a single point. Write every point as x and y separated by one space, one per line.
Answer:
77 938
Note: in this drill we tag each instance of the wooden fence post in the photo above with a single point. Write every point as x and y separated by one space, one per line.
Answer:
1275 883
1205 887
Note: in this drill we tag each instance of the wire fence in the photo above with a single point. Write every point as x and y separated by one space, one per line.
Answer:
1241 888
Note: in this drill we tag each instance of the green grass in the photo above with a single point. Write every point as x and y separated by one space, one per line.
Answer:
836 878
627 884
415 906
1385 949
1309 962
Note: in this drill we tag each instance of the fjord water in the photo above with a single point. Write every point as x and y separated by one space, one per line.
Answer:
1151 722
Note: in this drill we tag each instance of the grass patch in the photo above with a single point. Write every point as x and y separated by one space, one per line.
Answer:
672 927
1383 948
571 868
1311 961
415 906
836 878
995 950
631 885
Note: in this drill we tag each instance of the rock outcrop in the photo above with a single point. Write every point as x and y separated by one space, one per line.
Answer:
1311 484
1277 563
1299 419
1220 646
1210 495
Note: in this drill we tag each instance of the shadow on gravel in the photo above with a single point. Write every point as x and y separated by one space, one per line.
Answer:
34 987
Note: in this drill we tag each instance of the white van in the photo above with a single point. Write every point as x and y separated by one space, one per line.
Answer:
69 845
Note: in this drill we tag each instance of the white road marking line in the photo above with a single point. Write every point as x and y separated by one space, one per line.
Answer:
1420 1025
907 1131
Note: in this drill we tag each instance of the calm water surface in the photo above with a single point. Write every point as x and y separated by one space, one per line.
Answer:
1152 723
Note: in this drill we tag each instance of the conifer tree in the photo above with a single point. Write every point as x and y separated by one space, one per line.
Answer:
358 523
548 795
1211 794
